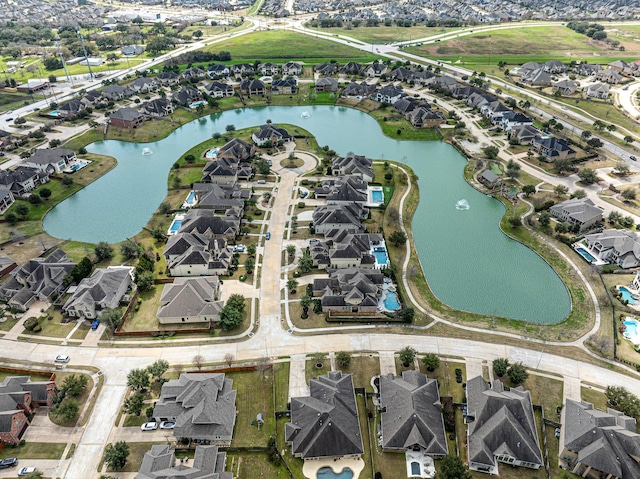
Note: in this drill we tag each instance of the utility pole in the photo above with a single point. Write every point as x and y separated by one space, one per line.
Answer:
64 65
84 50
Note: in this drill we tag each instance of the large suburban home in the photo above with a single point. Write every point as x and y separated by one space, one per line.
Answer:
144 85
193 74
597 90
168 79
209 223
565 87
242 69
501 427
132 50
351 68
425 117
511 119
160 462
494 110
197 255
598 443
581 212
326 69
539 78
127 117
388 94
236 149
92 98
609 76
347 191
22 180
284 86
358 90
353 164
326 85
6 199
325 424
19 398
116 92
7 140
291 69
349 291
37 279
203 407
621 247
340 216
553 148
525 134
218 89
186 95
270 134
106 288
346 250
411 414
253 87
268 69
158 108
51 160
554 67
72 107
192 301
220 197
587 70
218 70
375 70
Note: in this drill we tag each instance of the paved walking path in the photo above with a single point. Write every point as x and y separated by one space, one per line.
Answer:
387 363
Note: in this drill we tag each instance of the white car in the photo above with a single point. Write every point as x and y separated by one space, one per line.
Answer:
26 470
62 358
149 426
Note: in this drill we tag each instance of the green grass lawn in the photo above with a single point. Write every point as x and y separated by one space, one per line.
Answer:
545 392
382 34
597 398
34 450
81 399
254 395
136 453
312 372
281 384
363 368
255 465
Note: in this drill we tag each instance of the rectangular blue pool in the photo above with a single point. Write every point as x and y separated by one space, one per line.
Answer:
381 257
377 196
586 255
175 226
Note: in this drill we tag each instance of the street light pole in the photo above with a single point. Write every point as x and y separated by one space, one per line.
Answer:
84 50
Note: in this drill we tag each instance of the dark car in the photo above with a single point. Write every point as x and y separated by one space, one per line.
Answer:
633 158
95 324
9 119
8 462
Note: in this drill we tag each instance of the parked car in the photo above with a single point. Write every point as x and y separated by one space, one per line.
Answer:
8 462
1 153
95 324
167 425
261 182
268 235
149 426
633 158
303 194
26 470
62 358
9 119
557 432
270 163
239 248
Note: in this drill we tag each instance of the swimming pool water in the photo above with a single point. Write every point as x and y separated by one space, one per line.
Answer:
197 104
211 153
626 295
327 473
376 196
381 257
391 301
175 226
191 198
415 469
631 328
585 254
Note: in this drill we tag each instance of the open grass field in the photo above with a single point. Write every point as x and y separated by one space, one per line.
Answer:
34 450
382 34
520 45
275 46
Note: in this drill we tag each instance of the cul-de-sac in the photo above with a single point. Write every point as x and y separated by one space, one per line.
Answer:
313 239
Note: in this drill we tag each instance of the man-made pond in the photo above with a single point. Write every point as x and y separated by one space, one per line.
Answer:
469 263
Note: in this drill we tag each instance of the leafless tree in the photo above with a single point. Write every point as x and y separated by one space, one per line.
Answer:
262 365
228 358
198 361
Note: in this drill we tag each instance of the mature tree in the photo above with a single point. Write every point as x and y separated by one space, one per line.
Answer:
500 366
305 263
588 176
407 355
79 271
629 194
232 314
452 467
11 219
22 210
544 218
528 190
158 368
561 190
398 237
407 314
595 143
133 404
343 359
515 222
138 379
517 374
251 250
513 169
621 399
198 361
491 152
230 128
68 410
111 317
562 165
74 385
388 176
129 249
579 194
586 134
628 139
291 250
262 166
35 199
67 181
164 208
45 193
103 251
292 284
228 358
116 455
249 264
431 362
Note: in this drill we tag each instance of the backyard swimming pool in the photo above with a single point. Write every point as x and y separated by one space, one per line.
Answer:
211 153
175 225
381 258
627 295
196 104
391 301
377 196
586 255
327 473
190 201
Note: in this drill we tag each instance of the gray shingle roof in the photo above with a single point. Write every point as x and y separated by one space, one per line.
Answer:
190 297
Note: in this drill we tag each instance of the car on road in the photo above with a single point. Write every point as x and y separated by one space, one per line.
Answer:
564 108
261 182
1 153
62 358
9 119
633 158
26 470
625 87
167 425
95 324
557 432
8 462
149 426
268 235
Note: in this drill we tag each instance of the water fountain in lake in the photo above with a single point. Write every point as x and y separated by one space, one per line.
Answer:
462 205
305 114
147 151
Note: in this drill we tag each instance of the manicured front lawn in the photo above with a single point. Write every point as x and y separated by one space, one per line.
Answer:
81 399
545 392
363 367
281 384
254 395
136 453
34 450
597 398
145 318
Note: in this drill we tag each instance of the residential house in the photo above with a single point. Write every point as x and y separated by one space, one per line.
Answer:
528 68
411 414
158 108
236 149
268 69
351 68
168 79
71 108
349 291
402 74
524 134
203 407
325 424
478 100
598 443
22 180
609 76
270 134
127 118
501 427
490 179
423 77
217 71
218 89
538 78
106 288
326 85
588 70
187 95
494 110
6 199
445 81
192 301
511 120
197 254
343 249
565 87
332 184
6 265
621 247
220 197
292 69
326 69
353 164
375 70
580 212
424 117
242 69
92 98
144 85
19 398
208 223
253 87
50 161
344 191
132 50
358 90
159 462
116 92
7 140
339 216
193 74
597 90
388 94
37 279
554 67
284 86
553 148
